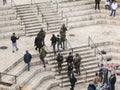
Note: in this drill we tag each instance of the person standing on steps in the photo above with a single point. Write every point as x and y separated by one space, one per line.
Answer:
14 42
114 7
97 4
43 54
27 59
53 42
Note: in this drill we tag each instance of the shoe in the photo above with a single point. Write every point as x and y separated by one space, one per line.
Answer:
36 49
17 49
13 51
44 66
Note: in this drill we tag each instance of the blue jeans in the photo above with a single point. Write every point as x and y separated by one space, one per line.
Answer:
113 12
14 45
28 66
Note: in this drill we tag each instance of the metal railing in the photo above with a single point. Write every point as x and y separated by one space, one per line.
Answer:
96 50
68 44
2 74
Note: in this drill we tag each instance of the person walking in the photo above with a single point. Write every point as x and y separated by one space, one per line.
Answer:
43 54
77 62
112 80
70 69
64 28
69 58
14 43
63 38
53 42
97 4
27 59
73 80
101 70
114 7
42 35
60 61
58 43
38 43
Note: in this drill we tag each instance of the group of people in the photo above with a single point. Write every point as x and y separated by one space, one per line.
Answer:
39 44
72 62
59 40
105 79
109 4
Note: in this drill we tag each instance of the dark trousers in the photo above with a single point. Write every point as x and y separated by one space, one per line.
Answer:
28 66
4 2
97 5
42 58
72 86
59 67
54 50
113 12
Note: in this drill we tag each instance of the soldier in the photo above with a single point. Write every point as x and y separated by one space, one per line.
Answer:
77 62
53 42
43 54
60 61
63 37
42 35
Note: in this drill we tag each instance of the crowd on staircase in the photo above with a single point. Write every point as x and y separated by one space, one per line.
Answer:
105 79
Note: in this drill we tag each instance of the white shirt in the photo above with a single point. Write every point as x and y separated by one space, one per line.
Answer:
114 6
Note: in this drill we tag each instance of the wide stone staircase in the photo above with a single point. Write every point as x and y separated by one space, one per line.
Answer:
39 15
9 22
89 65
16 77
82 13
51 16
29 18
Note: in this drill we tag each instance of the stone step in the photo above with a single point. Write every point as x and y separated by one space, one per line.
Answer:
27 14
29 21
79 13
77 8
83 18
7 12
39 78
35 70
5 7
48 84
76 3
33 25
78 82
9 23
18 69
14 30
8 17
84 23
11 28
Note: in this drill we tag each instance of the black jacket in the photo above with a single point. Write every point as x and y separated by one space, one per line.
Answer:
13 39
27 57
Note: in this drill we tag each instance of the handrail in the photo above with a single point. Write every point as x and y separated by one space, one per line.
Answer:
8 75
96 49
68 43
